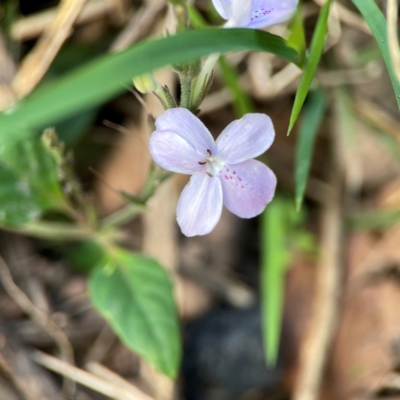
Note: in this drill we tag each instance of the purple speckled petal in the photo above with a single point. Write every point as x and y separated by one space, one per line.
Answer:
188 126
247 188
245 138
271 12
200 205
222 7
174 153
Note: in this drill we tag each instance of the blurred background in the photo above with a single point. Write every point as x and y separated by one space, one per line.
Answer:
332 268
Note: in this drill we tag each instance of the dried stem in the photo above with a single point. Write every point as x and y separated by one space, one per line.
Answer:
89 380
322 329
37 62
394 48
39 317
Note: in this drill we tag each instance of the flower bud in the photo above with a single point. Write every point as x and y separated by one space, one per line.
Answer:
146 83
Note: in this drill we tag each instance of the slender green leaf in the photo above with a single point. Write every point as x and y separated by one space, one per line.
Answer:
275 258
106 77
312 117
374 220
241 100
134 293
378 25
316 48
297 37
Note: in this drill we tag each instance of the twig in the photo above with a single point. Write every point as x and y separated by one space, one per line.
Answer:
37 62
394 48
7 72
138 25
322 329
102 372
31 381
102 344
87 379
39 317
376 116
349 18
33 25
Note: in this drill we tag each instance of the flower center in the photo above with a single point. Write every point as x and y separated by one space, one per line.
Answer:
213 163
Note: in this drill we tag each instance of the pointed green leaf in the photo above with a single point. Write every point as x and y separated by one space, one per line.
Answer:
134 293
107 76
316 48
376 21
313 114
275 258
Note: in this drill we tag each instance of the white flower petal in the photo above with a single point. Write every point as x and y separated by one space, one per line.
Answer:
222 7
240 13
174 153
245 138
200 205
188 126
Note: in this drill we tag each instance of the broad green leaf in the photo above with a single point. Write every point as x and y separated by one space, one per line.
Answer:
313 114
29 182
107 76
33 165
134 293
17 204
316 48
275 258
376 21
241 101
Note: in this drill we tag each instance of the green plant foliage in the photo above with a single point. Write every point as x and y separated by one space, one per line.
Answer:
29 182
241 100
297 37
134 293
378 25
313 114
107 76
281 235
316 48
18 205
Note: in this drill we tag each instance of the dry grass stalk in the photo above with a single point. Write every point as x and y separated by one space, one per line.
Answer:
87 379
326 303
392 17
37 62
32 26
39 317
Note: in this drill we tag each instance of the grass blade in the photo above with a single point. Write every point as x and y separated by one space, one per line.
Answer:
313 114
275 258
107 76
376 21
316 48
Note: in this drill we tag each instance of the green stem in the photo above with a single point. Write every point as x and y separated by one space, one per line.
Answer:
186 90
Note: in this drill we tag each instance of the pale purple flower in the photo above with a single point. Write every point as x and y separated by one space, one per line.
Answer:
223 171
255 13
